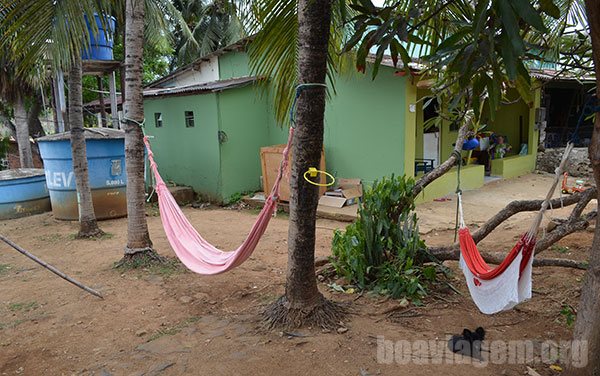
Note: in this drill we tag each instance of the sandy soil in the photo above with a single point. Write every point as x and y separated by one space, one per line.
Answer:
160 322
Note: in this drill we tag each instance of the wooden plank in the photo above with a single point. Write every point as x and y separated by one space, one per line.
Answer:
114 108
99 67
270 157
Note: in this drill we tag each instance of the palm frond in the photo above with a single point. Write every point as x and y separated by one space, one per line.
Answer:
274 51
37 31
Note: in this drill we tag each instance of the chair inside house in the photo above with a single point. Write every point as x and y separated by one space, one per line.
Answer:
424 165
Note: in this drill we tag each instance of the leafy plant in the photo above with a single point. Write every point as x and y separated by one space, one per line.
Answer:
382 250
234 198
569 314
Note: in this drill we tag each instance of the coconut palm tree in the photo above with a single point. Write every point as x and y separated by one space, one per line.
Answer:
14 90
302 303
214 24
274 53
20 18
138 237
88 225
297 42
31 24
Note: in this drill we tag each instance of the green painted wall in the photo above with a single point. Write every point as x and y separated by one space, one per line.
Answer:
365 131
365 126
471 177
447 138
233 64
517 165
369 133
187 156
507 120
245 119
513 166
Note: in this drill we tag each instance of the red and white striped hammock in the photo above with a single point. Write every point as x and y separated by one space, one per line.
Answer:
500 288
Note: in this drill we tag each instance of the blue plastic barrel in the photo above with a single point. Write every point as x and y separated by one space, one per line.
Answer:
23 192
106 169
101 45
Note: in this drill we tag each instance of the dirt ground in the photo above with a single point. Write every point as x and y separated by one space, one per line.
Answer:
165 322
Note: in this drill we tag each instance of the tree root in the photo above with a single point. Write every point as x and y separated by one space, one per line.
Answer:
141 259
325 314
92 234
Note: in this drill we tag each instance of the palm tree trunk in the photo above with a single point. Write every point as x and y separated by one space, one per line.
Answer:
33 118
587 327
88 226
303 304
22 130
138 238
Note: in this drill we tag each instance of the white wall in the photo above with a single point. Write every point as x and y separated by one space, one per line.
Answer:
207 71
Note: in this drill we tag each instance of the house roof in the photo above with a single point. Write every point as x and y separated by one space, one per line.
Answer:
237 46
203 88
388 62
212 86
559 75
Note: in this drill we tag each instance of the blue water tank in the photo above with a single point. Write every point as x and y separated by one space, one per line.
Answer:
101 45
23 192
106 170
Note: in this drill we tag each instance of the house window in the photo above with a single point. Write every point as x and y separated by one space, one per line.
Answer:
158 120
189 119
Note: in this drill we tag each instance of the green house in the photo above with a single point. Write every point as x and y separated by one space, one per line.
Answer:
209 120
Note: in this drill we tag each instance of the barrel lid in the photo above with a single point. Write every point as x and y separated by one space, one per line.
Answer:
90 134
19 173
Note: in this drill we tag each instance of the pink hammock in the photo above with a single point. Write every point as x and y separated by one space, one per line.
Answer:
193 250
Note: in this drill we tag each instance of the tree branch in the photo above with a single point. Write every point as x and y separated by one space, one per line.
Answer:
448 163
453 253
515 207
574 223
566 228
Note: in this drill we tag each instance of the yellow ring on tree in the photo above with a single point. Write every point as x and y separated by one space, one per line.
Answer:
313 172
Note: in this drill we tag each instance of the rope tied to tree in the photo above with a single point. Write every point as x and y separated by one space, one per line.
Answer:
299 89
459 221
141 125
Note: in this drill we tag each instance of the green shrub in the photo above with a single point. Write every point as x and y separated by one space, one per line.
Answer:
382 250
236 198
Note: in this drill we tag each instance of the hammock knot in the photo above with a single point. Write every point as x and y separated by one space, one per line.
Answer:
126 120
299 89
458 155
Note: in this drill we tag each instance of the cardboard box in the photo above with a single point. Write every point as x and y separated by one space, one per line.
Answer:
348 192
